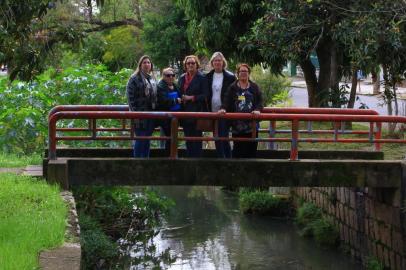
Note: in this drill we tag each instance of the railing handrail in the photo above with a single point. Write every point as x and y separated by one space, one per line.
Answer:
293 110
230 116
175 116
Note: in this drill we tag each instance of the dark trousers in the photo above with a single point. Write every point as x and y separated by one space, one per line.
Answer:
244 149
166 128
223 148
193 148
142 147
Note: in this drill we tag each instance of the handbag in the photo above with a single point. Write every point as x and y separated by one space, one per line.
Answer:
205 124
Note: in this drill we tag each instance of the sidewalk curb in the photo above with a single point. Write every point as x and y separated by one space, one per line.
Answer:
67 256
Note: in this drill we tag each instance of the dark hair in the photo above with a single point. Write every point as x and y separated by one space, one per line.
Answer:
194 57
142 58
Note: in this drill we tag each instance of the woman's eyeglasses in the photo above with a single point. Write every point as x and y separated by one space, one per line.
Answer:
190 63
169 75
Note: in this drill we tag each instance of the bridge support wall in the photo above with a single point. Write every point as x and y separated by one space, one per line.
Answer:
371 221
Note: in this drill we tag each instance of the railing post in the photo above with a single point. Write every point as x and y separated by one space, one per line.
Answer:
52 137
94 133
272 132
336 127
254 129
174 138
295 139
378 135
310 126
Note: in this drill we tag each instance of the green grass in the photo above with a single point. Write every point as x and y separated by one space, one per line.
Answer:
14 161
32 218
392 151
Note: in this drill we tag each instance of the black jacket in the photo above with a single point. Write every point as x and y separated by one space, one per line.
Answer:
164 102
198 88
230 98
137 100
228 79
252 101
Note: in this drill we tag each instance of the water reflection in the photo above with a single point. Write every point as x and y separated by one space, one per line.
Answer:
206 231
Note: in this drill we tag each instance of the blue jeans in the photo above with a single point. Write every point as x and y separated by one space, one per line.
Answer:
141 147
193 148
223 148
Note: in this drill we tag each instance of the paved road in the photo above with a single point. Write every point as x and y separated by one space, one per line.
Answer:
299 97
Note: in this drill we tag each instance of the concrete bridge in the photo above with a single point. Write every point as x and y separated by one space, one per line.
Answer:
316 168
71 167
370 217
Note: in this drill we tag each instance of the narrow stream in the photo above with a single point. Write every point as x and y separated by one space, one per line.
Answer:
206 230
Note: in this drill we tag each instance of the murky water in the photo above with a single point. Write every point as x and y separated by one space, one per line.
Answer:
206 231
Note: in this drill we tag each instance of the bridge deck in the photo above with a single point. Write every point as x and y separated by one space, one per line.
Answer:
337 168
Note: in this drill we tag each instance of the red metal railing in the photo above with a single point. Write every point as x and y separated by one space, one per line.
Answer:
272 131
374 135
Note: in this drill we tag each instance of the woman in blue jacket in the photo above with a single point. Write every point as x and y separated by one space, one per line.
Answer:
169 99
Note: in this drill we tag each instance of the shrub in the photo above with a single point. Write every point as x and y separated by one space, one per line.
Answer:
374 264
307 213
324 232
275 88
263 202
97 247
313 223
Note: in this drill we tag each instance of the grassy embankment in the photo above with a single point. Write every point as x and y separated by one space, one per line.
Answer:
14 161
32 218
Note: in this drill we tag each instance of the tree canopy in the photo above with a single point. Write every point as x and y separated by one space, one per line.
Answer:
345 35
164 35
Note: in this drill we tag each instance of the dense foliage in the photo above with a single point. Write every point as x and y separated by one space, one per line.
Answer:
263 202
25 105
164 35
115 222
275 88
314 223
345 36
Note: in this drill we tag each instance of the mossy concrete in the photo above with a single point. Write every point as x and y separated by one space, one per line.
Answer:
211 153
225 172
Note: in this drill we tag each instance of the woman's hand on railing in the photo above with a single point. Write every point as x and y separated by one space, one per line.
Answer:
222 111
256 112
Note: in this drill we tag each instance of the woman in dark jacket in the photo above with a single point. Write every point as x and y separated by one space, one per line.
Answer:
243 96
169 99
142 96
219 80
194 89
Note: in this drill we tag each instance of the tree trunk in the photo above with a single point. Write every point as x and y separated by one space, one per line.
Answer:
353 91
324 56
376 82
336 75
309 72
388 98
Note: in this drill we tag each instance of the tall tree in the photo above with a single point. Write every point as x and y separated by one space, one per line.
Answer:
218 25
164 35
30 29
